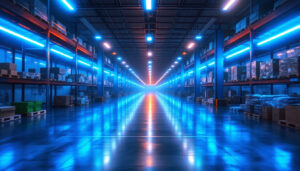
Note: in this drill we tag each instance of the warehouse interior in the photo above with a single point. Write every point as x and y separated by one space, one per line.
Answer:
149 84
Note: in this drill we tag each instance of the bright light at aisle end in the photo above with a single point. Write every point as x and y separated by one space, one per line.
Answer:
229 4
68 5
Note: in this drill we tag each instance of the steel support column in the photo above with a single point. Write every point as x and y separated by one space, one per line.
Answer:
219 65
197 73
48 94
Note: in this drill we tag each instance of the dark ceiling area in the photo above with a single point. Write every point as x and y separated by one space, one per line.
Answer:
173 23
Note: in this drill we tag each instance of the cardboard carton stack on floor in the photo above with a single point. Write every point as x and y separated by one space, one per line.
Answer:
279 105
63 101
7 111
293 114
8 69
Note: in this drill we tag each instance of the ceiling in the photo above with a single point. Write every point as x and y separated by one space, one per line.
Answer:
174 23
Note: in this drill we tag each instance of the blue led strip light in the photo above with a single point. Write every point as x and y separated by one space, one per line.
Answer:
279 35
22 37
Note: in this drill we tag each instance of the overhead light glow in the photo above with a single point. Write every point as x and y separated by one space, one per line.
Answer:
119 58
148 5
172 66
150 54
149 62
127 66
229 4
238 52
20 36
106 45
123 62
149 38
179 58
68 5
198 37
279 35
60 53
191 45
176 62
98 37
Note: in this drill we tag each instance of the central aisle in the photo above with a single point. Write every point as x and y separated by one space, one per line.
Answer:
149 141
147 132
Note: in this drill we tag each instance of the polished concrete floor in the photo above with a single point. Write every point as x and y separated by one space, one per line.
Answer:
147 132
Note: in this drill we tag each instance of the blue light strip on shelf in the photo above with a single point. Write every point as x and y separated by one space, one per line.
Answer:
84 63
238 52
279 35
20 36
60 53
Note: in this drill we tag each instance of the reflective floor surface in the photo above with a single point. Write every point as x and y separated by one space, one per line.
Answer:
147 132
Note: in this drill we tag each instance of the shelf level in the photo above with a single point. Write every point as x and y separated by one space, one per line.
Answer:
258 82
5 80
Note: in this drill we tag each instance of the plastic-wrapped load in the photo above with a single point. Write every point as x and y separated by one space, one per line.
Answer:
238 73
248 74
255 72
262 74
227 75
210 77
293 66
283 68
272 69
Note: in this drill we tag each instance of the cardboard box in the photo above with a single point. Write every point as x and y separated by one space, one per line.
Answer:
267 112
40 9
278 114
8 66
255 72
272 69
283 68
292 114
7 111
3 72
63 101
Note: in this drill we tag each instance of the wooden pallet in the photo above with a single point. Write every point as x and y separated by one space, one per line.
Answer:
10 118
253 115
287 124
32 114
9 76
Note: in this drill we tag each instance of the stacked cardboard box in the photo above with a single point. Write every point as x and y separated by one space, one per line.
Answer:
7 111
210 77
272 69
40 9
57 74
58 26
238 73
283 68
262 74
84 100
79 77
9 68
255 70
63 101
293 114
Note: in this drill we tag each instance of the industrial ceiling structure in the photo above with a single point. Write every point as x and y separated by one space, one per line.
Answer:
172 23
